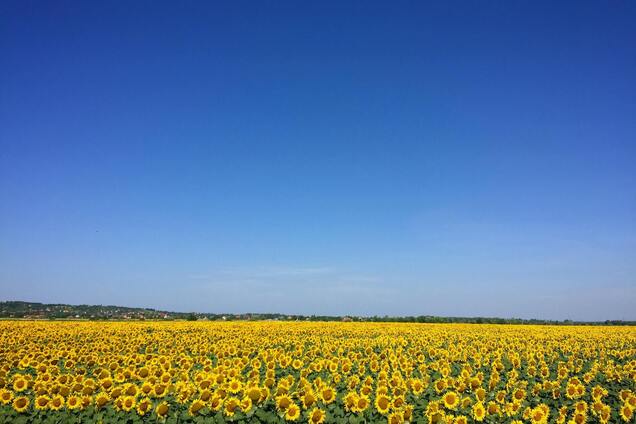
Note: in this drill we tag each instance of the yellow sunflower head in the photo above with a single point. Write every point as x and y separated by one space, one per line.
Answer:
292 413
21 403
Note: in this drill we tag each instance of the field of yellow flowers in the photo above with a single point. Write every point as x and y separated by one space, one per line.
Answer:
273 372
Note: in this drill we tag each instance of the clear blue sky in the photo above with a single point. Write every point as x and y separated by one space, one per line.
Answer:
450 158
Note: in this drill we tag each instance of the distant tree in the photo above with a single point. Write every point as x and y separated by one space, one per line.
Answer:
191 317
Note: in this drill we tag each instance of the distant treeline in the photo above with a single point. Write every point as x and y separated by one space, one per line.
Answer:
34 310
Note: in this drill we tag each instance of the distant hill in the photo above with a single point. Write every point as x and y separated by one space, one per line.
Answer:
35 310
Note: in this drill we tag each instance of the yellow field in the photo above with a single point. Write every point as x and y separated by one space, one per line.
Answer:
317 372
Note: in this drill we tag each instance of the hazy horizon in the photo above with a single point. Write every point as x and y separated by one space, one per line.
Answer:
451 159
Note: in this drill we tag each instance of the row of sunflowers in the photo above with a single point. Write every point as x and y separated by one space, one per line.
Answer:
277 372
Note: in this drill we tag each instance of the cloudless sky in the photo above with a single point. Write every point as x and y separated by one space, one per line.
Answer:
454 158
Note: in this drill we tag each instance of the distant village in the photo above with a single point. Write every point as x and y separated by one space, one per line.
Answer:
34 310
44 311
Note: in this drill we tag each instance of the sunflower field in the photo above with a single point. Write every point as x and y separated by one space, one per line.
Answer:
277 372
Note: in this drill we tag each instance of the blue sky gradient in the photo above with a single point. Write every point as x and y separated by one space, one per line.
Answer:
450 158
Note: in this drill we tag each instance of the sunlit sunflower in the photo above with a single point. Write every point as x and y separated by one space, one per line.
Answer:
479 412
254 393
6 396
21 403
57 402
74 402
417 387
382 404
144 406
328 394
626 413
159 390
230 406
216 403
246 403
317 416
461 419
128 403
162 410
196 406
41 402
395 418
292 413
234 386
362 403
451 400
538 416
20 384
283 402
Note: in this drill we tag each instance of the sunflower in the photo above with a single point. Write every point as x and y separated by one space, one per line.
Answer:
362 403
234 386
196 406
460 419
626 413
106 383
101 399
493 408
254 393
292 413
230 406
579 418
74 402
328 394
440 385
20 384
407 412
159 390
146 388
466 402
451 400
417 387
283 402
538 416
317 416
21 403
396 418
398 402
162 410
437 417
144 406
518 395
479 412
382 404
131 390
308 399
128 403
205 395
604 416
41 402
598 392
350 400
366 390
246 403
581 407
216 403
6 396
57 402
